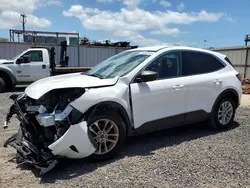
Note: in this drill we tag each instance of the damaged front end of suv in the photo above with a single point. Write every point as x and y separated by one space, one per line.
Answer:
49 128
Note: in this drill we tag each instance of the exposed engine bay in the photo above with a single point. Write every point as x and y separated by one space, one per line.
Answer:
48 127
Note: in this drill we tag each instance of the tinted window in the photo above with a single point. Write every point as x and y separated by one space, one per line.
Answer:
228 60
167 66
199 63
35 55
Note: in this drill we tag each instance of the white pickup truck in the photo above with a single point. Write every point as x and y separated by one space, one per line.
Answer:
31 65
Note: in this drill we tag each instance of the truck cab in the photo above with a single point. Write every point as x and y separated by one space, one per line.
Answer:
31 65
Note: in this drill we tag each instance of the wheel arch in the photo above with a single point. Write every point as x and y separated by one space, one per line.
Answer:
232 93
111 105
7 74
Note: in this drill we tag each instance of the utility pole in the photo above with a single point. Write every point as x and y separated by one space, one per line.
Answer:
23 21
204 43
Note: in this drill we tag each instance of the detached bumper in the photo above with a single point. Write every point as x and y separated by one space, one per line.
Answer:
27 153
75 143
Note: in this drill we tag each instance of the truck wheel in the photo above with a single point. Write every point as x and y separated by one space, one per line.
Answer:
2 86
109 133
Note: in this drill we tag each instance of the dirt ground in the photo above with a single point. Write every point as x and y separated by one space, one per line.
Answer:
189 156
245 101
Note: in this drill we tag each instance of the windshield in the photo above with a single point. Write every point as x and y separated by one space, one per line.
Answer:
16 56
119 64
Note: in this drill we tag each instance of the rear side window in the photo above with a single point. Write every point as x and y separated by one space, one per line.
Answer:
199 63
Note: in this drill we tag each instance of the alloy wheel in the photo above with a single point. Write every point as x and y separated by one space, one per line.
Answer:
225 112
106 135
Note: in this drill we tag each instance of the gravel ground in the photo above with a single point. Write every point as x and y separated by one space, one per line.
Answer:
190 156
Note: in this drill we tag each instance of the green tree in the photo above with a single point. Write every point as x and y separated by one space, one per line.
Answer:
3 39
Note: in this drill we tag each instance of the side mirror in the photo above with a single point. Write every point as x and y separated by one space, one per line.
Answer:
23 59
19 60
146 76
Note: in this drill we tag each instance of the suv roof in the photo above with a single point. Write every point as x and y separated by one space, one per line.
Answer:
179 47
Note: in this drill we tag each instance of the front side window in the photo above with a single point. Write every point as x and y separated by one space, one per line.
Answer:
199 63
35 56
167 66
120 64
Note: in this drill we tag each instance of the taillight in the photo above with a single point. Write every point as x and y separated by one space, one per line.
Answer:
239 77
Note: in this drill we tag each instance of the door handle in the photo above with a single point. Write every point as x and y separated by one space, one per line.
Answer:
217 81
43 66
178 86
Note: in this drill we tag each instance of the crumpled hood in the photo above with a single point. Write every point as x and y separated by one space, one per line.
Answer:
42 86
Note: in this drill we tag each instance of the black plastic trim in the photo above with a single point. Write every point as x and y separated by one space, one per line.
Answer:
73 148
195 116
173 121
124 113
227 91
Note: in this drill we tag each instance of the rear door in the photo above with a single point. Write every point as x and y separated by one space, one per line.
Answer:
35 69
203 74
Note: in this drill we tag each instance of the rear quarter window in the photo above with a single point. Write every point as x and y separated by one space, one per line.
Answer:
199 63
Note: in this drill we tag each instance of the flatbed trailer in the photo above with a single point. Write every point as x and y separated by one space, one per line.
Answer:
66 70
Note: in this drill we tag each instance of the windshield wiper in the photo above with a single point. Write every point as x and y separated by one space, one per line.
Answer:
96 75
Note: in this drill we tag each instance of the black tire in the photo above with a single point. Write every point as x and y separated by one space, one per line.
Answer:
2 85
113 116
214 120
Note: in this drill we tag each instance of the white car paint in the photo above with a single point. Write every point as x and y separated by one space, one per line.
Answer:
150 100
118 93
169 100
40 87
76 135
5 61
33 71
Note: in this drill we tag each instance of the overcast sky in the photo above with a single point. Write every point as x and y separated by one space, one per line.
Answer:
141 22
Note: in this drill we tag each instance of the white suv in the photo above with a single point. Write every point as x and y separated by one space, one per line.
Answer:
137 91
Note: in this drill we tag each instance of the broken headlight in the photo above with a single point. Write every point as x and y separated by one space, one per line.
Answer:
54 113
60 98
54 106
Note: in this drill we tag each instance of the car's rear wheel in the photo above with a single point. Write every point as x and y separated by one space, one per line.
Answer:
109 133
223 113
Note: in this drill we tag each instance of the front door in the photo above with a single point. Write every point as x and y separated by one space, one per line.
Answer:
160 104
33 70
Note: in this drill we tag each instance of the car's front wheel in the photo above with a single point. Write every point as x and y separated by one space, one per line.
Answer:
223 114
109 133
2 85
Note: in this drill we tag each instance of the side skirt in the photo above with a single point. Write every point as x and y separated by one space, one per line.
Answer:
173 121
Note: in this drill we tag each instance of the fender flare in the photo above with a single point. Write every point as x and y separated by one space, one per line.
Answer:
223 93
122 110
10 74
